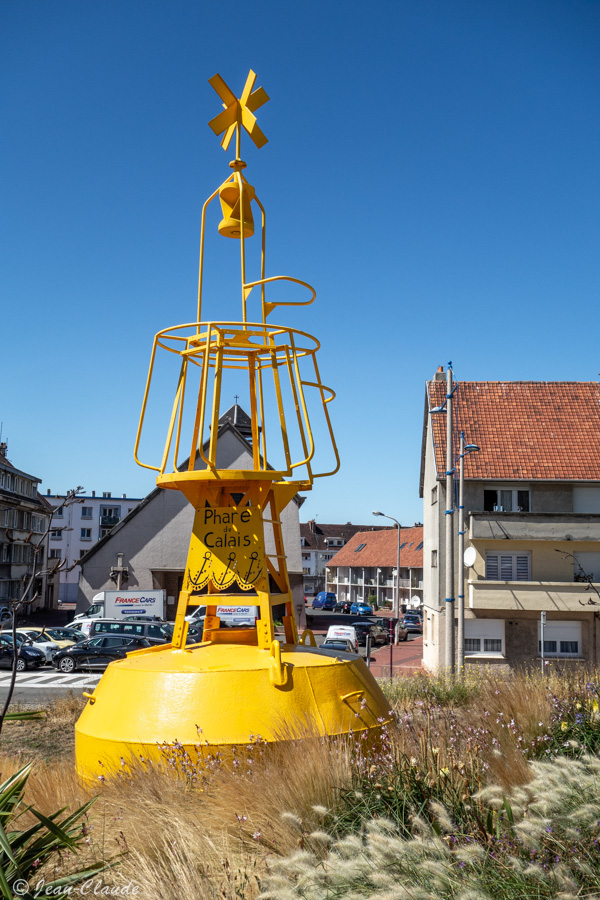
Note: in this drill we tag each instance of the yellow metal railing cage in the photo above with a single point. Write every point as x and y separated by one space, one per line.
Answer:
285 356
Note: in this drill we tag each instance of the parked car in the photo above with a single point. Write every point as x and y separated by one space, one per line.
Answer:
324 600
41 640
64 637
154 632
361 609
344 646
27 655
412 623
97 652
379 633
343 633
142 619
343 606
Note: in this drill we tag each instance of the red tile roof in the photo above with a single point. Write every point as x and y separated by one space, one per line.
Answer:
317 534
527 430
381 549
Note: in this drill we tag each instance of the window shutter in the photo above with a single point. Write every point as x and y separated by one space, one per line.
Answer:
491 567
522 568
506 568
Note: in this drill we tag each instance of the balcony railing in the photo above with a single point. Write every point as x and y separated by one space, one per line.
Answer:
520 526
109 521
552 596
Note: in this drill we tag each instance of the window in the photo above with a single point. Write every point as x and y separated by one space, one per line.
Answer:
58 513
420 546
434 495
434 559
112 511
87 512
56 534
54 553
484 637
506 500
560 639
507 566
360 547
86 534
106 530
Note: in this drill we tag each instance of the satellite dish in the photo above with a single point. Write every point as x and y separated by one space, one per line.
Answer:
470 556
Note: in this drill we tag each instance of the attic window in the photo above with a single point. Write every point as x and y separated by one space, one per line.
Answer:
360 546
420 546
403 545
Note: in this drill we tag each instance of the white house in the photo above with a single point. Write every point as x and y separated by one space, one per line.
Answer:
80 525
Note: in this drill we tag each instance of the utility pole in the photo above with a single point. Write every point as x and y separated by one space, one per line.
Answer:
450 667
460 650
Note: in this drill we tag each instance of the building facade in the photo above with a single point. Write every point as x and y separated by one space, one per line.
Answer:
365 569
79 525
319 544
24 519
532 517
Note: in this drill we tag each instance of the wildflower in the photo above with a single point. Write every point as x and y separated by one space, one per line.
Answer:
564 726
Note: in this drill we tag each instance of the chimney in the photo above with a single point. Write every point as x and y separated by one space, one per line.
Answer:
93 493
3 448
124 496
311 525
439 375
48 492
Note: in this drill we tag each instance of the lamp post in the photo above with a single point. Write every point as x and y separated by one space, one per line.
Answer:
449 543
397 595
464 450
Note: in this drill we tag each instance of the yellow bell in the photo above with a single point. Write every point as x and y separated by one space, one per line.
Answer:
229 195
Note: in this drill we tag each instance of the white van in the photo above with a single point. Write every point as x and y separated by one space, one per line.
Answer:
343 633
230 616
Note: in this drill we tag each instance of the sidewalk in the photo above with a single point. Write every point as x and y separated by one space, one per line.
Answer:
406 659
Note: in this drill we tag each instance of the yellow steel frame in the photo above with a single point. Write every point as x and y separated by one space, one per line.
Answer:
285 356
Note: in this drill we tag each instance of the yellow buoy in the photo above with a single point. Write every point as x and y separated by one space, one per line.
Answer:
237 682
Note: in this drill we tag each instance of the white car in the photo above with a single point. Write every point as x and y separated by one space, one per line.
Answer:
41 641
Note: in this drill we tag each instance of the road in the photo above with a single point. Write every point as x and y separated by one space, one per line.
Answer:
46 684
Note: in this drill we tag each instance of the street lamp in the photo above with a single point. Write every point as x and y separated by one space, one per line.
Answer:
446 407
465 449
397 596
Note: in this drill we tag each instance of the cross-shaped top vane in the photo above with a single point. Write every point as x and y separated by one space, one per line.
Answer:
238 112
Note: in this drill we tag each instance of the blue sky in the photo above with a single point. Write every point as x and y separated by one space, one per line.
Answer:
432 169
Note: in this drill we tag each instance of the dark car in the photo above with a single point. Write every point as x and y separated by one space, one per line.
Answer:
97 652
27 656
412 622
343 606
143 619
324 600
379 633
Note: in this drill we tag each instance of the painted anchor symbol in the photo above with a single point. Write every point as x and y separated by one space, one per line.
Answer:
253 559
230 565
195 581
